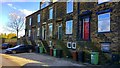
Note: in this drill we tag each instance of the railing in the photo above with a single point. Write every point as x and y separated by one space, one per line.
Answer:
43 46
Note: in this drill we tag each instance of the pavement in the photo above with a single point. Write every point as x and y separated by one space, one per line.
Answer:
48 60
36 60
15 62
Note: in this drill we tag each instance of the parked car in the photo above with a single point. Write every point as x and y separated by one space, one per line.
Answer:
20 49
6 45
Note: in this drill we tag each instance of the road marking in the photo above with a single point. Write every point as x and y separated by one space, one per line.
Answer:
21 61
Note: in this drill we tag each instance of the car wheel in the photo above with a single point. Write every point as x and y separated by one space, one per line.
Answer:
14 52
30 51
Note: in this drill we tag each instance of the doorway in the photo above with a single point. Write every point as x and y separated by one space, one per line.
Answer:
44 32
60 32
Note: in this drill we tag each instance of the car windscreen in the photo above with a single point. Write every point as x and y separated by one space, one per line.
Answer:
4 44
17 46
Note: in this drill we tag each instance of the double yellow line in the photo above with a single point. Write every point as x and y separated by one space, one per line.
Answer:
21 61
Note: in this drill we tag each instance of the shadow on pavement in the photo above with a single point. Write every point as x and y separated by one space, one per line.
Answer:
37 65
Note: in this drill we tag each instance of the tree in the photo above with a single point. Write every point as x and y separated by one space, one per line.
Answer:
11 35
3 35
15 23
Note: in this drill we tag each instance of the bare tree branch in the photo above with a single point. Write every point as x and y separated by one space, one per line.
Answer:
16 23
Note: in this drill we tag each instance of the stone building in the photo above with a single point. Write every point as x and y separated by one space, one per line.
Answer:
91 26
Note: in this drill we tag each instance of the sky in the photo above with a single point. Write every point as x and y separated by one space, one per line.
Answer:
26 8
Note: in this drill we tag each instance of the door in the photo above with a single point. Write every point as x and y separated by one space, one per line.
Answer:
86 29
33 34
43 32
60 32
21 49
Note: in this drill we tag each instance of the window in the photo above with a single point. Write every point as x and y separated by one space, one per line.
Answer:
38 44
54 1
45 4
105 47
50 13
69 25
44 32
70 6
50 43
104 22
38 18
69 44
38 31
60 31
102 1
50 29
29 34
86 28
73 45
29 21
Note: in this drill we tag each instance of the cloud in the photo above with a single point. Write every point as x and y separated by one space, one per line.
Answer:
26 12
11 5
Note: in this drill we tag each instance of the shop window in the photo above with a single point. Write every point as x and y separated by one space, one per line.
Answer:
105 47
86 28
104 22
69 25
38 18
38 31
29 34
50 29
69 6
102 1
69 45
50 13
73 45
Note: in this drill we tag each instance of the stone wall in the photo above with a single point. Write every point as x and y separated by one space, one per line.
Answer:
60 17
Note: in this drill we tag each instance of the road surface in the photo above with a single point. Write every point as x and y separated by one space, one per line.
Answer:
8 61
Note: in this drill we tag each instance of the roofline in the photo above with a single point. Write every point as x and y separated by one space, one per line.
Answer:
40 10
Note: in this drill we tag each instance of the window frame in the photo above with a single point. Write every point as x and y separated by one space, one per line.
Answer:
108 46
50 34
51 14
29 33
38 44
30 21
67 6
43 5
108 19
55 1
59 25
38 31
50 43
38 18
69 27
102 2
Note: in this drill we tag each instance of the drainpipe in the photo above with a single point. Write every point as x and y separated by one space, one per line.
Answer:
78 12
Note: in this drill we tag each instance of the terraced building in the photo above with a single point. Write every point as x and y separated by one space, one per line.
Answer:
75 26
